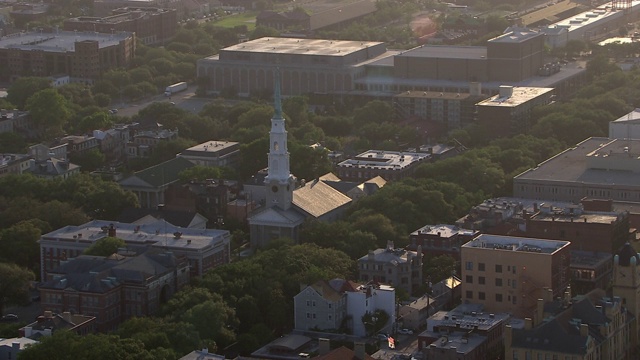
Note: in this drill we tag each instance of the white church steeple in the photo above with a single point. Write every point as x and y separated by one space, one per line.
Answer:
279 180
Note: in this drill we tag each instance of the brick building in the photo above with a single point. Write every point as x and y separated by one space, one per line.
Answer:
436 240
151 25
84 56
114 288
509 274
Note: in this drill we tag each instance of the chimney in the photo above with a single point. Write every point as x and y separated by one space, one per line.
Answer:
528 323
112 230
584 330
48 314
389 244
324 346
539 311
358 349
508 335
15 346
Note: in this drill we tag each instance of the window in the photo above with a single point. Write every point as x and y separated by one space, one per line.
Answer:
481 295
469 279
468 265
469 294
498 282
499 297
480 266
499 268
481 280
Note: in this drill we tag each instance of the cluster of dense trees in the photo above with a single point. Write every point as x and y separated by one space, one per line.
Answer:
31 206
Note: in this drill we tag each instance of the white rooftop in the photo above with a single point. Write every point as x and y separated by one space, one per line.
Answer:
159 233
512 243
378 159
520 95
302 46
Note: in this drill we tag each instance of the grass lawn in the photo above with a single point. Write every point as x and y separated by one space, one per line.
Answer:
246 18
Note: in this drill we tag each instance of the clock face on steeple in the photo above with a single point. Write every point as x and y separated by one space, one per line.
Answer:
274 188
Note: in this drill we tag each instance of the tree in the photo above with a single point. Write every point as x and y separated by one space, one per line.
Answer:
90 160
106 246
375 112
14 285
67 345
439 268
200 173
11 142
19 244
24 87
49 110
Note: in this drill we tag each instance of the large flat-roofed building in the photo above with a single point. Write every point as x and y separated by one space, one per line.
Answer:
307 65
597 168
367 69
213 153
204 248
509 112
509 274
591 24
151 25
390 165
84 56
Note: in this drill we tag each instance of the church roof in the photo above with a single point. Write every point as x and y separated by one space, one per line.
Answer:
277 216
317 198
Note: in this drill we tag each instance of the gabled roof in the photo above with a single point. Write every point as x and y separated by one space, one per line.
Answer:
159 175
178 218
317 199
277 216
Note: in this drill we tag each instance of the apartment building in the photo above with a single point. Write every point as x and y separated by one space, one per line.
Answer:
509 274
396 267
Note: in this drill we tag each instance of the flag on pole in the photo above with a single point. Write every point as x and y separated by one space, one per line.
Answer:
392 343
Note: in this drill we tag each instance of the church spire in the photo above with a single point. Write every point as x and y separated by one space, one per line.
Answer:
276 96
279 181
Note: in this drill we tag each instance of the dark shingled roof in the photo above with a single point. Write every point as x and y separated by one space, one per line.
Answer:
550 336
626 253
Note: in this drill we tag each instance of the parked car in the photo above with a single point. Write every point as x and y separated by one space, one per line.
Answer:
113 111
405 331
9 317
382 336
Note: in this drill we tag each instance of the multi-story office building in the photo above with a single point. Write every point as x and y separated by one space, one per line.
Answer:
596 168
213 153
204 248
396 267
451 109
509 112
390 165
151 25
509 274
84 56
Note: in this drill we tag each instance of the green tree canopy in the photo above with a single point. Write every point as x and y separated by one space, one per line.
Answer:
23 88
14 285
105 246
49 110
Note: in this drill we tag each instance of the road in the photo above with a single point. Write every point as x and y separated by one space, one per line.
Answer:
185 100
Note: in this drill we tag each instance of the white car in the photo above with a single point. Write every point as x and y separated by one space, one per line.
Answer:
405 331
